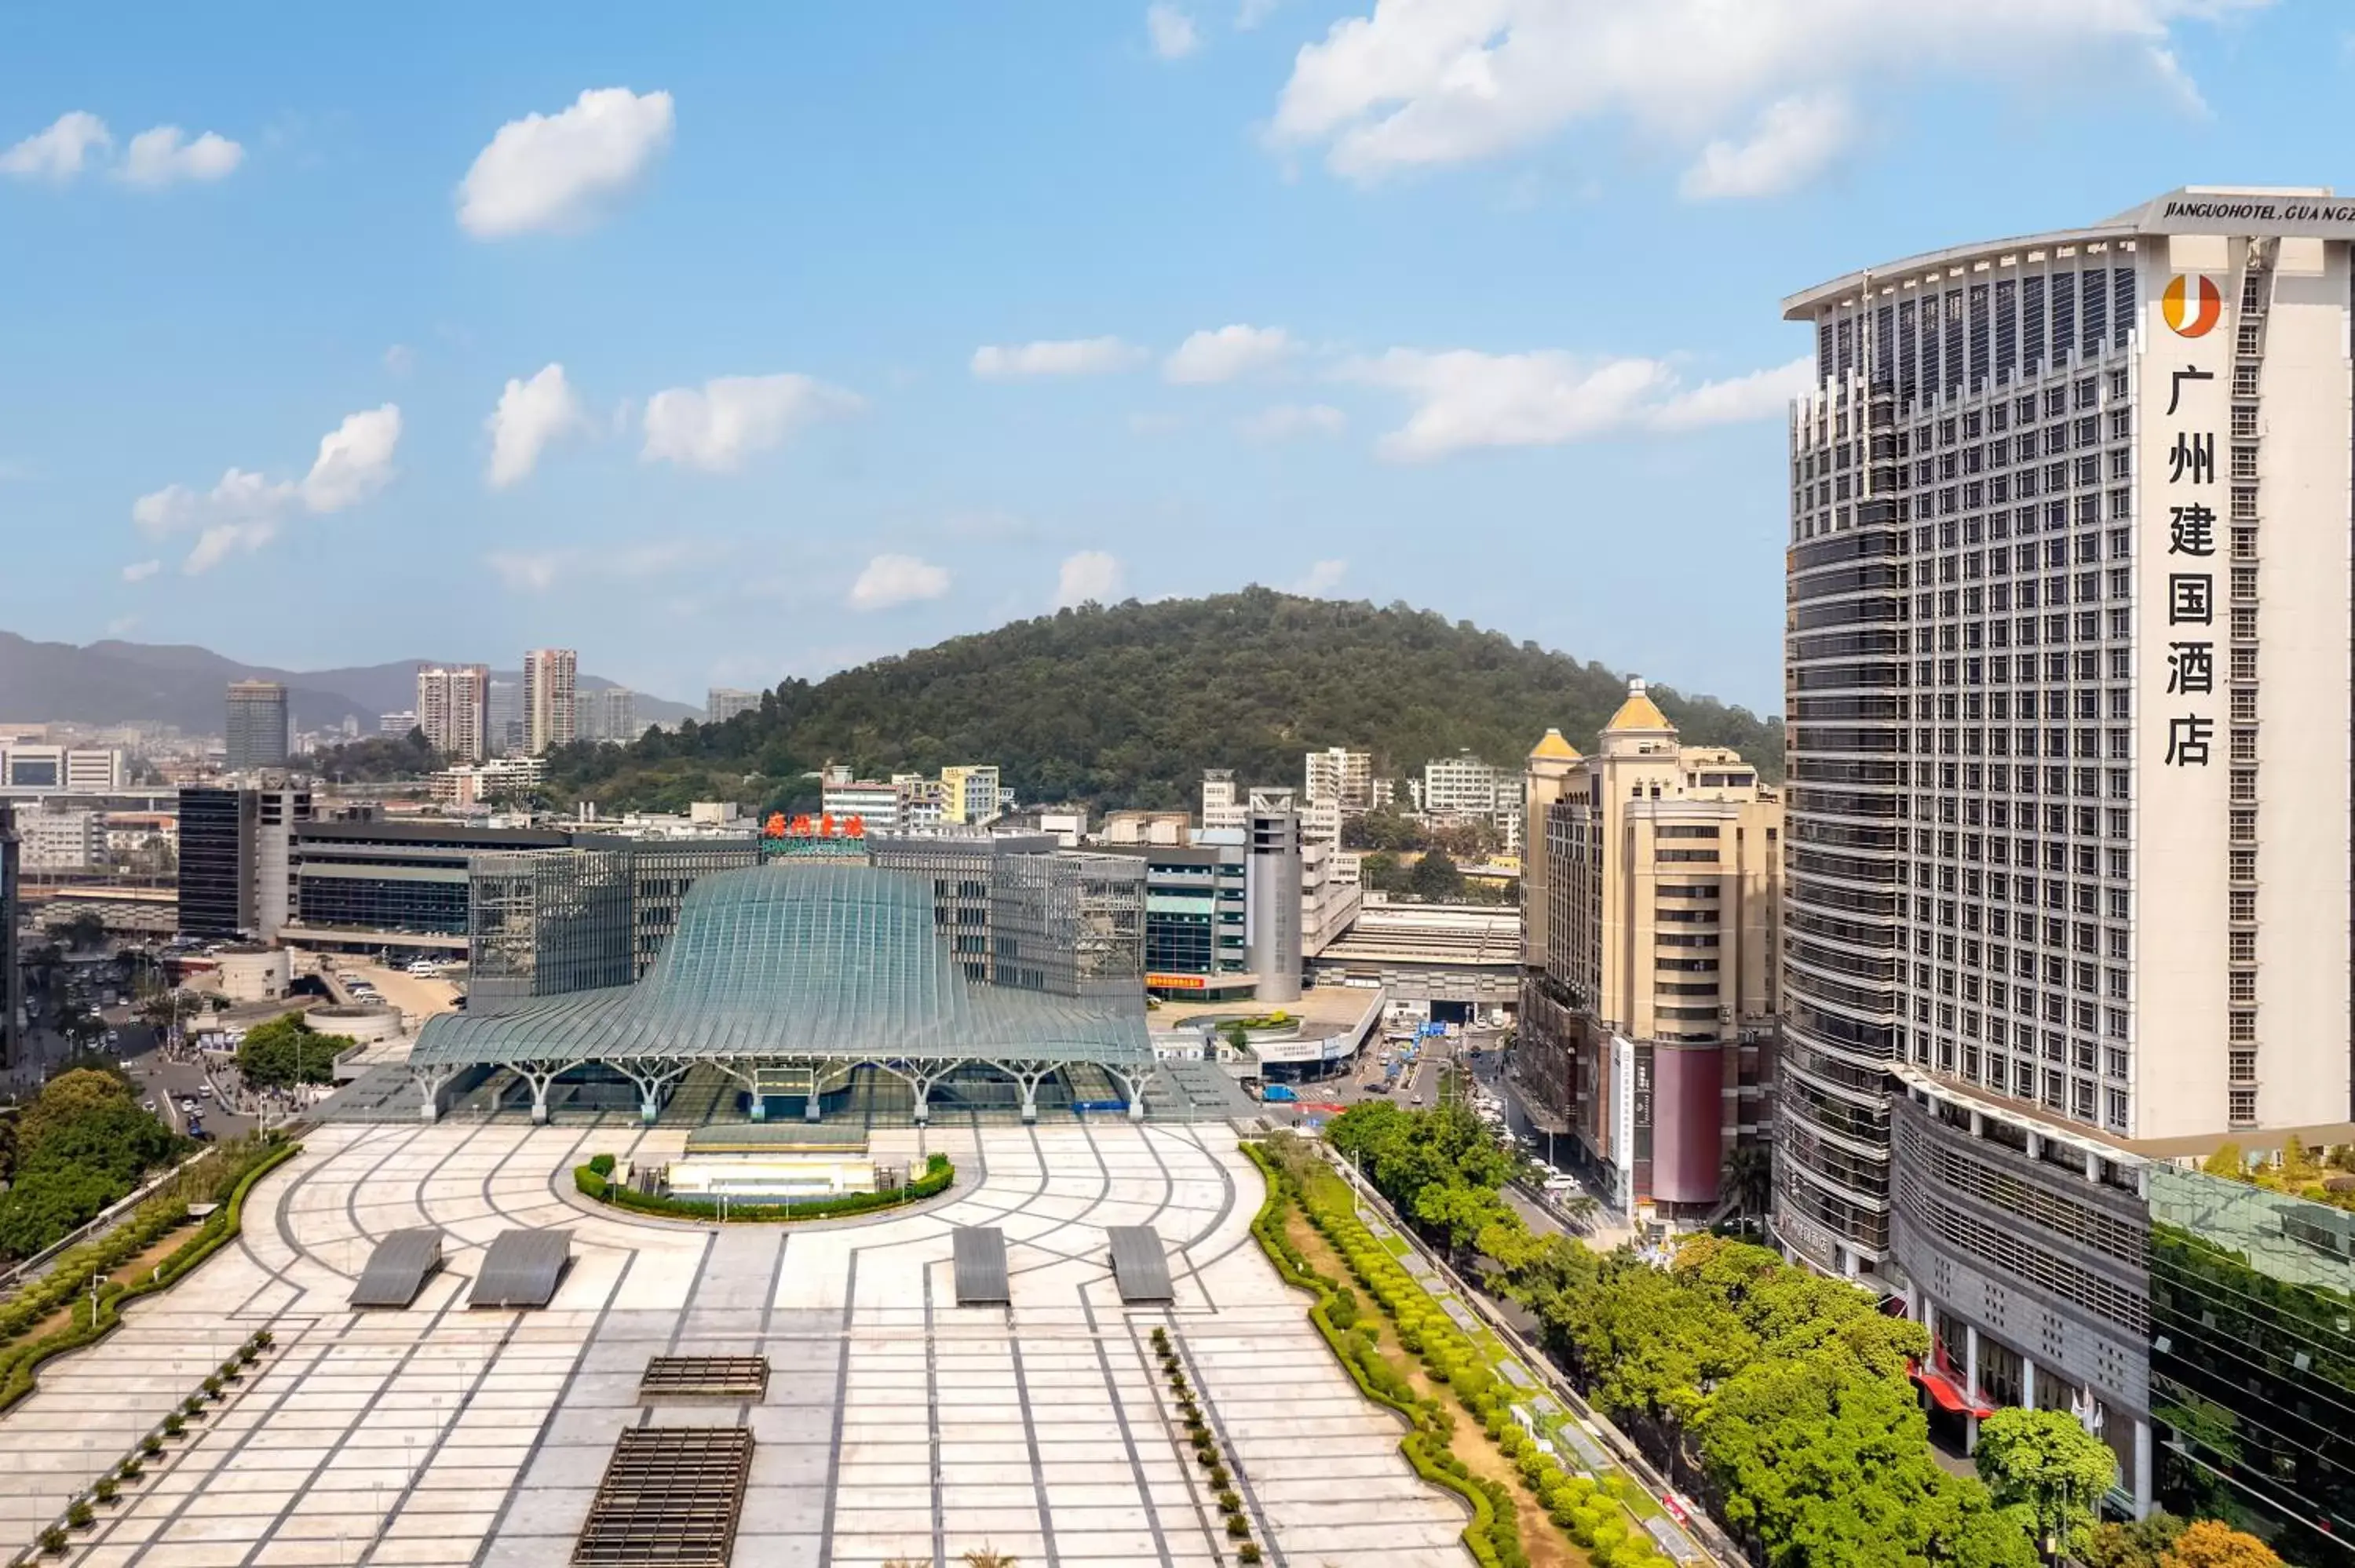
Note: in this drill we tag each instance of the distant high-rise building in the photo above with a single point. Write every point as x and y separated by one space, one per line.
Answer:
504 720
453 709
1338 776
397 724
609 714
722 703
551 711
257 725
11 998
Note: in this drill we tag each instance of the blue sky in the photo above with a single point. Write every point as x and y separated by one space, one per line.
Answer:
873 323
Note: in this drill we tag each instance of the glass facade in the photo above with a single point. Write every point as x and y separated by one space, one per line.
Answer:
1017 914
396 876
2252 1361
663 870
814 960
546 922
216 871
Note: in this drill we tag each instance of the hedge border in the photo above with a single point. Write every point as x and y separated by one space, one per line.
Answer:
1267 1228
218 1229
938 1176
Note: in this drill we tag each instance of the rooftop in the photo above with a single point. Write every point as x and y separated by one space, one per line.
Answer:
811 959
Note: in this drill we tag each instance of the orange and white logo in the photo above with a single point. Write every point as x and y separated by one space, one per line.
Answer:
2191 304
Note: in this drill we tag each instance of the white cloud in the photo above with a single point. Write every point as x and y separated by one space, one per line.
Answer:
535 571
1465 399
1226 353
246 510
1090 576
531 414
140 571
1286 422
1063 356
890 580
1323 577
1171 31
1254 12
164 155
561 172
1795 139
1422 83
716 426
59 154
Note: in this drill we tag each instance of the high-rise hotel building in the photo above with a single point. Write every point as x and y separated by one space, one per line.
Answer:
2067 873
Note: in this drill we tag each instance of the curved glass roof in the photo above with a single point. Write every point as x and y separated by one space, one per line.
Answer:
807 960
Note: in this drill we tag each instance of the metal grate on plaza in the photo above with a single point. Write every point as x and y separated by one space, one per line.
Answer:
791 979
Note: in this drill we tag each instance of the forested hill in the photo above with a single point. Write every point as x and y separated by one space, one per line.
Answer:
1127 706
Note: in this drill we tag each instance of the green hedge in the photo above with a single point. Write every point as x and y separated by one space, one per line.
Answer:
1582 1509
938 1177
19 1363
1493 1537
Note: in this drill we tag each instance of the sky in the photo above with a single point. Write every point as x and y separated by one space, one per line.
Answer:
725 343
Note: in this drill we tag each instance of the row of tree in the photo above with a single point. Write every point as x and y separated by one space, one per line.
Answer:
1779 1395
287 1051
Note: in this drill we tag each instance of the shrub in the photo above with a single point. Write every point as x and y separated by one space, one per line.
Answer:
81 1515
151 1445
1229 1502
174 1423
130 1470
1238 1526
53 1540
213 1386
603 1164
1247 1553
591 1183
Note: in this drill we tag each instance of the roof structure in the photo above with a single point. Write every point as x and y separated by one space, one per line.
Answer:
522 1268
1553 748
1639 711
397 1269
825 960
1140 1264
980 1254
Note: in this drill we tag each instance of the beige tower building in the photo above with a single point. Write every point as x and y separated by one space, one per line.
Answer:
453 706
1647 1013
551 704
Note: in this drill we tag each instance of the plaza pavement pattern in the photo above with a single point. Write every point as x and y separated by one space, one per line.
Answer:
896 1425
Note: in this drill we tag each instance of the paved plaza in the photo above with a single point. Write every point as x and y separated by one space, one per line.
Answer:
896 1425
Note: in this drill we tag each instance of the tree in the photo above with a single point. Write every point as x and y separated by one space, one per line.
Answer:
2205 1543
2226 1162
2137 1543
1435 878
287 1051
2047 1473
1750 1177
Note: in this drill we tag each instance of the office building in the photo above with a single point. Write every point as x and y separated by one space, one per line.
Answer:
36 767
396 724
1222 808
237 856
1646 1033
609 714
1195 899
12 997
503 718
60 840
970 795
470 786
1464 786
550 699
922 801
1020 916
257 725
369 884
874 803
2053 500
453 710
722 703
1340 777
546 922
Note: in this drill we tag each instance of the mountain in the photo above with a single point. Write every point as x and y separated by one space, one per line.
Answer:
1127 706
181 684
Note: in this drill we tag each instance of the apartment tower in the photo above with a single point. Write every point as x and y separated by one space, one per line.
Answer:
551 707
453 705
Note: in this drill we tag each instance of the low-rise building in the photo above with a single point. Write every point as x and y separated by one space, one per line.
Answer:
39 767
61 840
970 795
1339 777
874 802
467 787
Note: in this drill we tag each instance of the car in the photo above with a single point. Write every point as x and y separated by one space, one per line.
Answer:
1417 1099
425 969
1378 1086
207 1091
148 1106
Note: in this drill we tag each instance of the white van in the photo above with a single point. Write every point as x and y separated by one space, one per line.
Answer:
425 969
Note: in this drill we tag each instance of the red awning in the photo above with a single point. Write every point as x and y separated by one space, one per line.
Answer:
1946 1391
